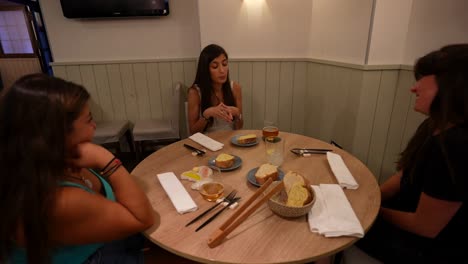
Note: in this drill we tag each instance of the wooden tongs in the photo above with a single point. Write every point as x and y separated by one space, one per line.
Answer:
231 223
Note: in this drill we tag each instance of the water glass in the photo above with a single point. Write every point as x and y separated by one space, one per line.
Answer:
274 149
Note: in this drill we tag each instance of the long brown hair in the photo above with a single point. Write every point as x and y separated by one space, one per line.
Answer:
203 77
36 114
449 65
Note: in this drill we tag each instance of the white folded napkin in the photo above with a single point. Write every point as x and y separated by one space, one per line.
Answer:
206 141
332 214
342 174
177 193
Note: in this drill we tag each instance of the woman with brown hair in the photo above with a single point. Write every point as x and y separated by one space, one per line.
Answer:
424 215
62 198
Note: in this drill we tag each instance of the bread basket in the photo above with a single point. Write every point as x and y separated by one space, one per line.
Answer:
283 210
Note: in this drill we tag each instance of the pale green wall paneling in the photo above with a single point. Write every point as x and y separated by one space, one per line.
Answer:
272 93
73 74
129 91
286 89
142 90
313 103
258 94
60 72
401 103
365 113
166 85
116 90
298 109
381 122
89 82
245 77
104 93
154 90
368 111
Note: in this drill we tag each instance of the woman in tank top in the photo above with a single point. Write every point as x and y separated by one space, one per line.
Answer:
63 198
214 102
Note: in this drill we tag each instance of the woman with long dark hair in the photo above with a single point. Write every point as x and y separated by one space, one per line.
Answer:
214 102
62 198
423 216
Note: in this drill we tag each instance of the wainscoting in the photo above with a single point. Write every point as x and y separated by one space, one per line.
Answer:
13 68
366 109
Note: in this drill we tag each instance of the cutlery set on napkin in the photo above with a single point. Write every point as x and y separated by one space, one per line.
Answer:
331 215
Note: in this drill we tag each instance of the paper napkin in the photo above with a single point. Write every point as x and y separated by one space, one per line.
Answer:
206 141
341 172
332 214
177 193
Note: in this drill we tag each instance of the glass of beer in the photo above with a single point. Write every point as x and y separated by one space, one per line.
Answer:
211 191
270 131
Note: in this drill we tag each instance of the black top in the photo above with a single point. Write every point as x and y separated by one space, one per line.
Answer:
442 177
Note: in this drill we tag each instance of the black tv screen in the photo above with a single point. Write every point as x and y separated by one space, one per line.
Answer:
114 8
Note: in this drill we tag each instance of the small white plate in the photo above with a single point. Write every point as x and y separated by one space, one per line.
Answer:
251 176
234 141
237 163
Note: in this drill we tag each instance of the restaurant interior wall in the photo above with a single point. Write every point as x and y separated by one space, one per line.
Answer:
366 108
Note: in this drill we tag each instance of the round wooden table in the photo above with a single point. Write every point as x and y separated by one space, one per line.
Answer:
264 237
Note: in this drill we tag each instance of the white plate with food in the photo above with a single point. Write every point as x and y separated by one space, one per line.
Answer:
245 140
253 180
225 162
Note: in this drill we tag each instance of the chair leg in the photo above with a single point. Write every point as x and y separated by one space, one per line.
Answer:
130 141
138 150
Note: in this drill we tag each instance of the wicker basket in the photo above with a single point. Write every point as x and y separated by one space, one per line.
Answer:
282 209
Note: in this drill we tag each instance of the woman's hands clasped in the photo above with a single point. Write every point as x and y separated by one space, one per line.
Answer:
222 111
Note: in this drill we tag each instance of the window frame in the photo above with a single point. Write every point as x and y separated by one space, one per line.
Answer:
32 35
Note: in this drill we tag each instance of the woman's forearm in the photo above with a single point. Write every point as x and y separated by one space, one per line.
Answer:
391 186
131 196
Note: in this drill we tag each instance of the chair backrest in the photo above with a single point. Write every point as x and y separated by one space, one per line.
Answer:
187 127
176 105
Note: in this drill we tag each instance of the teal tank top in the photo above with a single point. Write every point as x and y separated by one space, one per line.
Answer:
70 254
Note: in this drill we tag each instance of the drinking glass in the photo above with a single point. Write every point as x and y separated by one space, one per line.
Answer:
274 149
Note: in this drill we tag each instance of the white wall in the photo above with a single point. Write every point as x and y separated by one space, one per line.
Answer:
389 31
434 23
339 30
336 30
256 28
174 36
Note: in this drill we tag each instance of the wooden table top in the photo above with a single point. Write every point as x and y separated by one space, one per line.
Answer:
264 237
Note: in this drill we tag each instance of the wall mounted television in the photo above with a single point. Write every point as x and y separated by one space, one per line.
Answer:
114 8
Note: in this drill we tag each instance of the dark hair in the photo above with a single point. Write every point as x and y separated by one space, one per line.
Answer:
449 65
203 77
36 114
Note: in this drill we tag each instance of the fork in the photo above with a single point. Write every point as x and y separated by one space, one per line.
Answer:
233 200
227 199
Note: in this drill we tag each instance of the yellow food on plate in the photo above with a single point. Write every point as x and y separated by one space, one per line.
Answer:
224 160
266 171
247 139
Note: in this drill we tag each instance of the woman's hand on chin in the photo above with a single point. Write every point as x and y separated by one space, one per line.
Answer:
89 155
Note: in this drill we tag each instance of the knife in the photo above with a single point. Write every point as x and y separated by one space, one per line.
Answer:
199 151
217 213
302 151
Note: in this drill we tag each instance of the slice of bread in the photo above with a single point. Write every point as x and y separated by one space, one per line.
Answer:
297 195
247 139
266 171
290 178
297 189
224 160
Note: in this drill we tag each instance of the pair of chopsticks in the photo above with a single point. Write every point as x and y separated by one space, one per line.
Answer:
198 151
225 229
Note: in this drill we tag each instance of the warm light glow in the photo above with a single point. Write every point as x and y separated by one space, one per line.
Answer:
254 4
